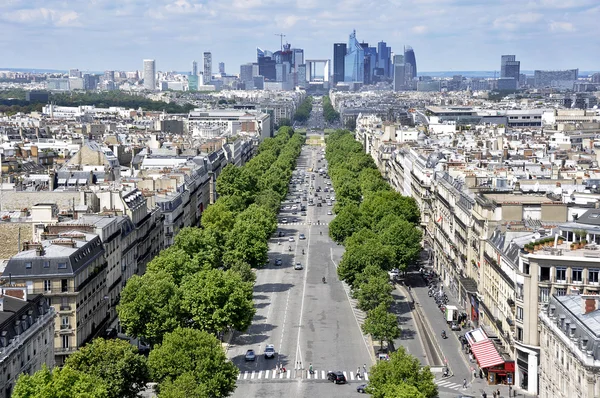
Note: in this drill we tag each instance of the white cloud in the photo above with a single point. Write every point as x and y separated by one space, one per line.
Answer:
557 26
420 29
44 15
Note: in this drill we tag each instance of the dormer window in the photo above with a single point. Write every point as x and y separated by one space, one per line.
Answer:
28 265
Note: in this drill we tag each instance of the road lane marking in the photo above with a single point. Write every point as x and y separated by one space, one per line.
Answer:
345 375
351 375
245 375
252 375
289 374
260 374
366 376
323 374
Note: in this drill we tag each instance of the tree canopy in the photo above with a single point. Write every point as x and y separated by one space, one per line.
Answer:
64 382
382 325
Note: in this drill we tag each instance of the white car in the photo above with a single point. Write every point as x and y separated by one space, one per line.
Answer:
270 351
291 239
294 207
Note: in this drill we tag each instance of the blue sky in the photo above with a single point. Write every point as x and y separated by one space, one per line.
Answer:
445 34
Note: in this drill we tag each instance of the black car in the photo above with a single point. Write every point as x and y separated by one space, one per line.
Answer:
362 388
337 377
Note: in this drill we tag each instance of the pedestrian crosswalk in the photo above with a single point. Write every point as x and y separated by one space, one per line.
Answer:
446 383
281 224
292 374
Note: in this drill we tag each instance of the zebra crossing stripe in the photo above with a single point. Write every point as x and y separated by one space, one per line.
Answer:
252 375
345 375
351 375
260 374
366 376
289 374
245 375
323 374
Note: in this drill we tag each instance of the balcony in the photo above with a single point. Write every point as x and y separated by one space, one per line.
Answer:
64 308
64 350
65 326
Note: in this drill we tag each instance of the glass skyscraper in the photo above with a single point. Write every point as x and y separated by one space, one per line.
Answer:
339 53
354 61
409 59
383 58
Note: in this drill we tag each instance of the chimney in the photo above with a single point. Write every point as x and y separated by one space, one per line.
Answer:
19 292
590 303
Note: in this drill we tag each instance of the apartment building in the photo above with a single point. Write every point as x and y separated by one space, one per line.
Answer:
569 330
70 270
26 335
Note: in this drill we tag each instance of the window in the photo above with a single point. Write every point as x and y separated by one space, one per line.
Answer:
64 322
593 274
65 341
519 335
62 265
561 274
544 294
46 264
519 313
47 285
577 275
28 265
64 285
560 292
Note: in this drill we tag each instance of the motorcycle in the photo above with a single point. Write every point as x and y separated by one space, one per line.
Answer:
290 248
302 251
444 335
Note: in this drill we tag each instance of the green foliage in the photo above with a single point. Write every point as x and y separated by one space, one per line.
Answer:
358 257
218 300
284 122
379 204
402 237
59 383
329 114
106 99
382 325
218 217
150 306
370 181
374 289
347 221
400 373
116 363
175 261
187 357
246 242
269 199
203 246
303 112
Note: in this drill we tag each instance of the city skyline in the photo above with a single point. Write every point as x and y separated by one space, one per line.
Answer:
122 34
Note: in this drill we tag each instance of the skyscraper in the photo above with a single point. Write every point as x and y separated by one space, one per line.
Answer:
194 68
354 61
149 74
221 68
409 59
510 68
339 52
399 73
383 58
246 76
207 68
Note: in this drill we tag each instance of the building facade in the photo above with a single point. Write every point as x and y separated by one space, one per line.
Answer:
207 75
149 74
354 61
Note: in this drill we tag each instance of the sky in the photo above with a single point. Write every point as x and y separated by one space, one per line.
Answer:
446 35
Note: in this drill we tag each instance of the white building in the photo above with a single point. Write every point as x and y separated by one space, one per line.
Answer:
149 74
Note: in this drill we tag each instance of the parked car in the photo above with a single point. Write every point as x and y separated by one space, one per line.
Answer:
250 355
270 351
337 377
455 326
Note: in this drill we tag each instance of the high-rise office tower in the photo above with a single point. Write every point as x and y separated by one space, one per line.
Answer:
409 59
207 76
194 68
149 74
74 73
339 52
354 61
109 75
383 58
246 76
510 68
399 73
370 63
221 68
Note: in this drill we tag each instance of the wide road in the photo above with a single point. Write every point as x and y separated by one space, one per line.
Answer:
307 321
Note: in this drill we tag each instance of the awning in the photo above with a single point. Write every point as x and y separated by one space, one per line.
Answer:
486 354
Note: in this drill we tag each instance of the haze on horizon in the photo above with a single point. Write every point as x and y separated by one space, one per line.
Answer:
445 34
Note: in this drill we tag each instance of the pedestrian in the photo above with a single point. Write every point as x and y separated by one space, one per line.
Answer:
495 395
483 395
358 372
481 373
364 368
498 393
470 357
464 383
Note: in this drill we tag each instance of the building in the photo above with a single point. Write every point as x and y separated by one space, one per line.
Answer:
399 77
58 84
194 68
510 67
193 82
339 53
384 58
221 68
207 75
570 336
70 270
246 75
149 74
354 61
409 59
26 335
562 79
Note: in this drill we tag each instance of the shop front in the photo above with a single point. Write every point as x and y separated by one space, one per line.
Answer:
502 374
497 369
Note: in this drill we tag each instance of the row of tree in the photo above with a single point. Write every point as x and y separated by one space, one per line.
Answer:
303 112
330 114
192 292
106 99
379 229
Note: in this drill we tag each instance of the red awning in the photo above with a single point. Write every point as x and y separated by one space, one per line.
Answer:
486 354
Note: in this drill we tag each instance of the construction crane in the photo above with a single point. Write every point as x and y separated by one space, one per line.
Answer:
281 36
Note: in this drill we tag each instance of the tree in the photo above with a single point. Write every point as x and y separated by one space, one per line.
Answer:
403 237
63 382
218 217
189 353
357 257
243 269
246 242
175 261
218 300
269 199
258 216
374 290
184 386
204 246
377 205
150 306
381 324
284 122
402 390
401 369
347 221
370 181
116 362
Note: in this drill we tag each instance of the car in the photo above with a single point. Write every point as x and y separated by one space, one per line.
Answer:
329 203
294 212
291 239
301 237
284 220
303 213
287 208
455 326
270 351
250 355
337 377
278 261
329 213
319 204
362 388
298 266
294 207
